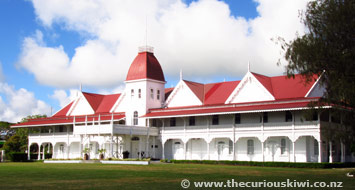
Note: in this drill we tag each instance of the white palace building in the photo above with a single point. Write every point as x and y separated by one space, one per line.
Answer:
258 118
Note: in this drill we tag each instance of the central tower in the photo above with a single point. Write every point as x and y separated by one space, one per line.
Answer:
145 86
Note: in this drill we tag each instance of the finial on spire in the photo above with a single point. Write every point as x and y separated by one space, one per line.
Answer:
81 87
146 31
248 66
180 74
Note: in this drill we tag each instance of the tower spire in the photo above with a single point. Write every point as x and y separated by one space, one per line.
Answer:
248 66
180 74
146 31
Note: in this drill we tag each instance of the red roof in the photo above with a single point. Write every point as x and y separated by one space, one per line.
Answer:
107 102
70 119
197 88
280 87
168 91
64 111
242 107
101 103
145 66
93 99
265 81
217 93
284 87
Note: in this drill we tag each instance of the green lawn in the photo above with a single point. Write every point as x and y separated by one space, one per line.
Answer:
155 176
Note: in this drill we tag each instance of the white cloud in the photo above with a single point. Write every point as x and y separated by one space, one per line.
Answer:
1 73
202 38
19 104
63 98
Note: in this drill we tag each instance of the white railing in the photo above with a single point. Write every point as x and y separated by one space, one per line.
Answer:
174 128
196 127
134 130
221 126
306 124
49 134
93 129
248 125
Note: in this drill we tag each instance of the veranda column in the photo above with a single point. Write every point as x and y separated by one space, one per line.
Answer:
262 150
28 152
294 151
81 146
185 147
330 152
208 150
139 148
319 151
163 152
39 152
68 146
342 152
43 150
111 146
147 146
154 147
233 150
147 141
233 124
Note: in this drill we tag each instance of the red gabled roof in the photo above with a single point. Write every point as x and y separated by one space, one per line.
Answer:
101 103
63 111
168 91
145 66
93 99
107 102
265 81
217 93
241 107
197 89
284 87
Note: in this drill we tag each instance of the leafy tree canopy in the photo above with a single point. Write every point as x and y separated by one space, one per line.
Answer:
19 142
327 47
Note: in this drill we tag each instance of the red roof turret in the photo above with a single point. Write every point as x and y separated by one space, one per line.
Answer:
145 66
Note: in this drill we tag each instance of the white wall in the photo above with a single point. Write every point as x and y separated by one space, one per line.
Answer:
249 90
82 107
129 104
182 96
241 150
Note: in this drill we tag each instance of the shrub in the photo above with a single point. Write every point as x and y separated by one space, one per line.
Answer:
17 156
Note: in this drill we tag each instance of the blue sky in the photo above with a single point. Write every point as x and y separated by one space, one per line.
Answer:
61 32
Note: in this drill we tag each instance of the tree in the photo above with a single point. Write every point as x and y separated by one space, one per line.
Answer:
13 144
19 142
327 49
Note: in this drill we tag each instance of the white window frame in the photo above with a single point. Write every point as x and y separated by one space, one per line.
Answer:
250 147
135 118
158 94
283 146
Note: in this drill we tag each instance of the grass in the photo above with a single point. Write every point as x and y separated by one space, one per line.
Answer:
156 176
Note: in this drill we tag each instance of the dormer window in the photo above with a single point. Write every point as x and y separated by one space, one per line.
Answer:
139 93
135 118
158 94
151 93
